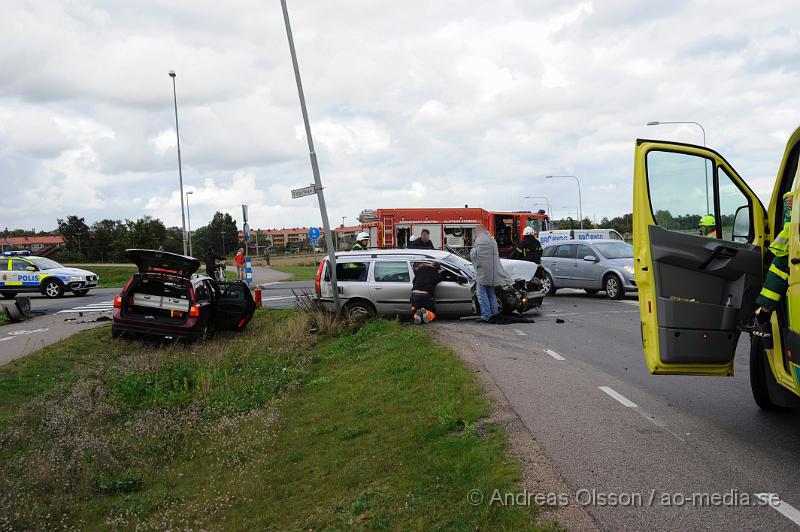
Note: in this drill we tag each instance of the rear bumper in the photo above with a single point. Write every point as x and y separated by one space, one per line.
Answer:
192 328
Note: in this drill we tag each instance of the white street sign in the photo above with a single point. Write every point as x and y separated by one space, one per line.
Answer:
305 191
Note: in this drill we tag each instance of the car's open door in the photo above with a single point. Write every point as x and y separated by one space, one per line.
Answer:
234 306
696 283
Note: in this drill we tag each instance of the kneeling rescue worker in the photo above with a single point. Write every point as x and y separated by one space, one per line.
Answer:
423 304
362 241
777 280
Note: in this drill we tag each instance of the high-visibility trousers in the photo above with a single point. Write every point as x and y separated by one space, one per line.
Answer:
775 284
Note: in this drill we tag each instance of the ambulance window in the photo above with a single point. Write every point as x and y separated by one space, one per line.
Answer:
731 199
681 190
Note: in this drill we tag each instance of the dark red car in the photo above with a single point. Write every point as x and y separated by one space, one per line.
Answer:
167 299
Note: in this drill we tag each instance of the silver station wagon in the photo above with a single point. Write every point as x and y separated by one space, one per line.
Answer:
378 282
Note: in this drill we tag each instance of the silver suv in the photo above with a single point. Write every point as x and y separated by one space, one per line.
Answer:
378 282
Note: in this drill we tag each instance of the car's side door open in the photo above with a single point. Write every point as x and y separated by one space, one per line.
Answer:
698 235
234 306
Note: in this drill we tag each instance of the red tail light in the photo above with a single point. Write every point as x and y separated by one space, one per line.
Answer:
118 302
318 279
194 311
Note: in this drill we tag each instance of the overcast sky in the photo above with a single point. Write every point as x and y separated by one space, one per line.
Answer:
412 103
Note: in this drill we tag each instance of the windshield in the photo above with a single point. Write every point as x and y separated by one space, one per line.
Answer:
45 264
615 250
461 264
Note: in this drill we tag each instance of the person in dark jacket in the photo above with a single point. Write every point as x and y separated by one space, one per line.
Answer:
423 303
529 248
211 259
423 242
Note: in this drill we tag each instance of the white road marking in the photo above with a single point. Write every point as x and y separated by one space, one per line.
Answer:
276 298
619 397
6 339
785 509
520 332
90 307
554 354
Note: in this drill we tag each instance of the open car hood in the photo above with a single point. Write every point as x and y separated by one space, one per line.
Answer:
520 269
153 261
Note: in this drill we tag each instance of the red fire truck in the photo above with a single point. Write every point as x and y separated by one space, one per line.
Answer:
451 227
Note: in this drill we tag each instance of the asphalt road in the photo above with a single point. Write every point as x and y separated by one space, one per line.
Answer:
281 295
613 430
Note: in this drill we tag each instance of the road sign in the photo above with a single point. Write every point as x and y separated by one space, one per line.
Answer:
313 233
246 232
244 213
305 191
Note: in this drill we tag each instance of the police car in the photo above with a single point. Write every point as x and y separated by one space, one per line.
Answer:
22 272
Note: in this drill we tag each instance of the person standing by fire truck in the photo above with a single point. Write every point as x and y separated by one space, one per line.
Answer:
529 248
362 242
485 258
423 242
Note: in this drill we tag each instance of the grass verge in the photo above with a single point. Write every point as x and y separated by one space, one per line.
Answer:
271 428
299 273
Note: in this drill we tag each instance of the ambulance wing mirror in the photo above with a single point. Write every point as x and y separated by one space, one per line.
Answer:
741 225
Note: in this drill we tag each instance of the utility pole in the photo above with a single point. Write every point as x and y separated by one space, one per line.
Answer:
180 170
223 241
314 167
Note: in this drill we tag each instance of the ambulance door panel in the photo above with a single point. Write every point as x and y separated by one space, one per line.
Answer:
694 289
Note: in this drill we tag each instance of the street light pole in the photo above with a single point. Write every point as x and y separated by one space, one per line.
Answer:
314 166
580 200
189 219
180 170
698 124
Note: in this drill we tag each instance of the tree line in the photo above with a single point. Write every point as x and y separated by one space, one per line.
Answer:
106 240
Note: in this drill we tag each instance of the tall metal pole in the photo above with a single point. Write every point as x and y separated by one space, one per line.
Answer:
314 166
705 164
580 200
180 170
189 219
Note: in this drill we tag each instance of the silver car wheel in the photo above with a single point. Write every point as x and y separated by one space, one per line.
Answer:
612 287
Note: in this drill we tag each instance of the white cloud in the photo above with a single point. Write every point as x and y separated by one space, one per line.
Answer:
411 103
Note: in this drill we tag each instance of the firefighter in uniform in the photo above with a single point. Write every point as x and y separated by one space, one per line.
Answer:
777 280
529 248
362 242
708 226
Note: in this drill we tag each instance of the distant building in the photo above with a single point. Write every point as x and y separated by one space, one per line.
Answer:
45 246
296 238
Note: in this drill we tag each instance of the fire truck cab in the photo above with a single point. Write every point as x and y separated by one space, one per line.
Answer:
452 227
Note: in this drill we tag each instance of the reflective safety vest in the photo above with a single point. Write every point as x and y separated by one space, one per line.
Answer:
780 246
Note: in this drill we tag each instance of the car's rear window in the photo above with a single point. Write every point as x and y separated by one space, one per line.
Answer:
157 287
347 270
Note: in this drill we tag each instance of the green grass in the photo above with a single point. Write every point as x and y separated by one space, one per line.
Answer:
117 276
270 428
299 273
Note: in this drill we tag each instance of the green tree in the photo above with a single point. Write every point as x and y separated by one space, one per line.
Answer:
109 239
75 233
146 233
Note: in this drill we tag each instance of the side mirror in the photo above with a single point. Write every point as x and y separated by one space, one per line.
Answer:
741 225
590 258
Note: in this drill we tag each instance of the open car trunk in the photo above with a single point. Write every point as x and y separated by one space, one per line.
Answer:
158 298
153 261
